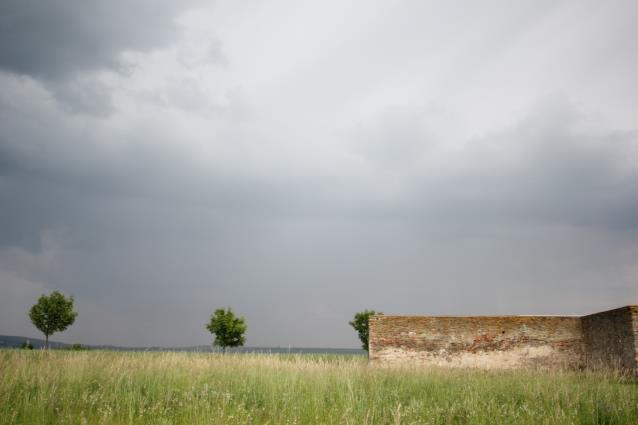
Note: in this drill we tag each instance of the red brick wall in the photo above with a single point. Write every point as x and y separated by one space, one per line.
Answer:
507 341
609 339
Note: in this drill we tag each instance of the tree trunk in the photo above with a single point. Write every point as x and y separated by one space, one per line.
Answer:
46 342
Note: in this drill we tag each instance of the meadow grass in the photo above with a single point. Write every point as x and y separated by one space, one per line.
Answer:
100 387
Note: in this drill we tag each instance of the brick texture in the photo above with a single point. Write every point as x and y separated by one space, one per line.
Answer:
610 338
607 339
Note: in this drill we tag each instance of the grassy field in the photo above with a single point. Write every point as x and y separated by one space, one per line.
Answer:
194 388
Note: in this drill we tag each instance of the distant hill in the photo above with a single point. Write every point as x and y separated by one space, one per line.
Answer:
8 341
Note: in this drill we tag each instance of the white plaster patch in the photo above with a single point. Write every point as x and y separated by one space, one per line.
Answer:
517 357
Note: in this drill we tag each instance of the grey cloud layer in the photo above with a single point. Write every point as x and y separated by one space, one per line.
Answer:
61 38
194 182
62 42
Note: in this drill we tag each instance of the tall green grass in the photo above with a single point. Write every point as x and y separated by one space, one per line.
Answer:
196 388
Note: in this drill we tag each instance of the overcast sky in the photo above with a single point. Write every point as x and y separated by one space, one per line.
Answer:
301 161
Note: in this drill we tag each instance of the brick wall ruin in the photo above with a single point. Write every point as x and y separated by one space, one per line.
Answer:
610 338
606 339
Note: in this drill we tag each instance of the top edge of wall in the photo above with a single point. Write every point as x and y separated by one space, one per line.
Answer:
451 316
626 307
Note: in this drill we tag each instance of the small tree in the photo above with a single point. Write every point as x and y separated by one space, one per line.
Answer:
53 313
360 324
228 329
78 347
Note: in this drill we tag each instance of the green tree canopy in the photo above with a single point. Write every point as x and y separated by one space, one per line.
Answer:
360 324
228 329
53 313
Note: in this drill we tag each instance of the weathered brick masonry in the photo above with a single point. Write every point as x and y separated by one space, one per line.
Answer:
609 339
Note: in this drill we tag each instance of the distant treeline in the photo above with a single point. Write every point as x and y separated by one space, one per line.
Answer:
7 341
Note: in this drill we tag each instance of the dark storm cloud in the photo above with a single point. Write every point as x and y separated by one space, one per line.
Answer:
58 39
63 42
